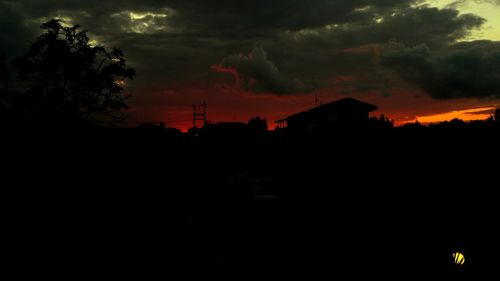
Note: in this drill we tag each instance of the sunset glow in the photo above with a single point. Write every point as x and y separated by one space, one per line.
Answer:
428 60
287 139
481 113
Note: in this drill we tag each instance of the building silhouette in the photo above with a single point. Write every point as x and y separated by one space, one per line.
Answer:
345 113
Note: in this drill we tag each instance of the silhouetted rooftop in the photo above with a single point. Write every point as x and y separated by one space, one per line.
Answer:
343 104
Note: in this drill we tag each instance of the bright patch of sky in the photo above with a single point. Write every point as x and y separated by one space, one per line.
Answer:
486 9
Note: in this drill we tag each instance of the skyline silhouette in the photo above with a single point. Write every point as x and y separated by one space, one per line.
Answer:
339 186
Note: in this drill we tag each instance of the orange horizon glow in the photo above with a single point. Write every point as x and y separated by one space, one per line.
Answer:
229 102
470 114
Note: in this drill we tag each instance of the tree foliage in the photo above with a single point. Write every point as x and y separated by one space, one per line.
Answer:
64 76
258 124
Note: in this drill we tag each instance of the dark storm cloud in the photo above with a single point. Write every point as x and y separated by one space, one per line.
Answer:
259 74
222 17
15 32
431 26
323 53
462 70
262 16
172 42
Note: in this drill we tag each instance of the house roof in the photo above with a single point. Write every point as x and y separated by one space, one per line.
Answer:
343 104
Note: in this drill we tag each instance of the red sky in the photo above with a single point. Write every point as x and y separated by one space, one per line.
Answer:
228 102
188 52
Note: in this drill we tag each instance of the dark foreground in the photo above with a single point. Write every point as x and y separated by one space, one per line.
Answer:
115 205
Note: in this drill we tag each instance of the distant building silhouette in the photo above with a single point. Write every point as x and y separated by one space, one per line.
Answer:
346 112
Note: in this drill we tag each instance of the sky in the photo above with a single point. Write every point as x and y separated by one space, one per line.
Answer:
416 60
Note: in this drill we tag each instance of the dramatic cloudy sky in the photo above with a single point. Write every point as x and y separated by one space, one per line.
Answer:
429 60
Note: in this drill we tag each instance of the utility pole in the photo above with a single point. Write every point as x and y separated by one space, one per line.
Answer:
199 113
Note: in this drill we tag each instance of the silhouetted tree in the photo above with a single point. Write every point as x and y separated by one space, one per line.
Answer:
64 76
258 125
457 123
382 122
497 115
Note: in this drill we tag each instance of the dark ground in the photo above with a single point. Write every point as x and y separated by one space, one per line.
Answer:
122 204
